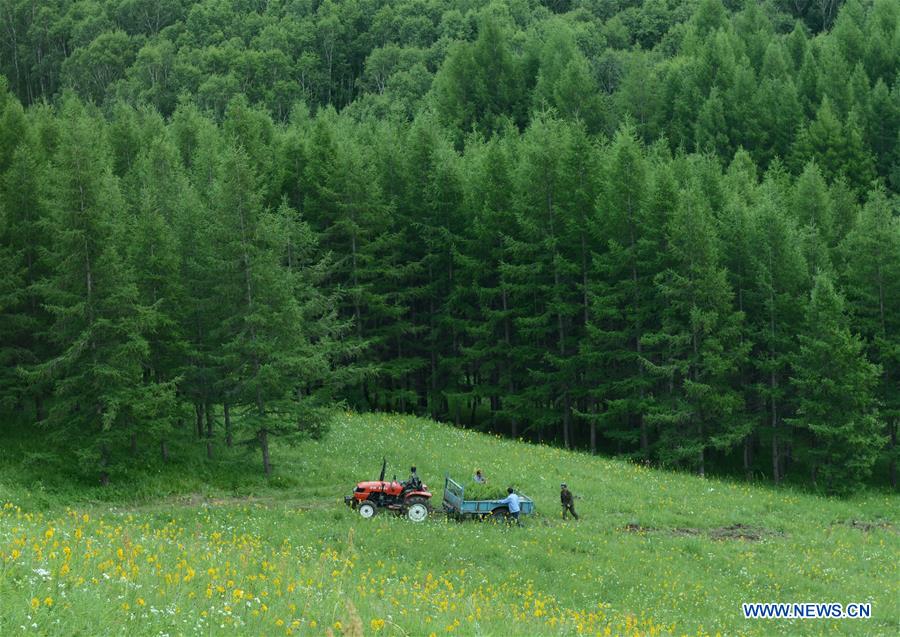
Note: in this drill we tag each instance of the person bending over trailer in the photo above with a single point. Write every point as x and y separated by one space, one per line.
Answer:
512 501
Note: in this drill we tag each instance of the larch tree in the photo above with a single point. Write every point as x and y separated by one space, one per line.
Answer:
774 308
622 293
544 201
98 323
24 322
267 337
699 339
161 196
835 385
871 254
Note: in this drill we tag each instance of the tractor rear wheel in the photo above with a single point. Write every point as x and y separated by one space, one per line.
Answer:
367 509
499 515
416 509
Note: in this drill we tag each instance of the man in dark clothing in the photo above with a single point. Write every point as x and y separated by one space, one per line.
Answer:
413 482
568 502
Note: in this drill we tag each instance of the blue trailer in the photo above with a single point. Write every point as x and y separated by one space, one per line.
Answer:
456 505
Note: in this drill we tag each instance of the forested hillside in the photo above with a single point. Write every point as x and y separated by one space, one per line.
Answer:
664 229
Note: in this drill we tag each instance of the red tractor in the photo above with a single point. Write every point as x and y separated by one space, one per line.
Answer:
410 498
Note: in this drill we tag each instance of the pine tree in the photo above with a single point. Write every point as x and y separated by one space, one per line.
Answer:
479 85
201 311
490 347
267 338
622 294
735 228
711 131
774 309
355 225
544 271
162 198
812 203
835 386
400 356
99 325
838 149
24 323
699 342
871 253
429 223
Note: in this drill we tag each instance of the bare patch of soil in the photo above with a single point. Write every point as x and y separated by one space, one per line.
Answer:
866 527
731 532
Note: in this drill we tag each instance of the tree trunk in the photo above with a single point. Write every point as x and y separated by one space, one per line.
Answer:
164 450
513 425
209 449
776 473
748 458
134 448
40 412
198 411
702 458
892 470
638 348
104 466
645 437
432 348
229 440
210 418
264 445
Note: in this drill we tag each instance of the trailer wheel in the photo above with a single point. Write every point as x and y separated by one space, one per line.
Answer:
367 509
499 515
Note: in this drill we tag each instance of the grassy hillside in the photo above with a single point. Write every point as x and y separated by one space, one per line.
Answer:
226 553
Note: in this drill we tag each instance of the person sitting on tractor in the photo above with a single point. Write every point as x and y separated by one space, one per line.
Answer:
413 482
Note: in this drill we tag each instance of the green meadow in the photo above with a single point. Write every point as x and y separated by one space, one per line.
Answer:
220 550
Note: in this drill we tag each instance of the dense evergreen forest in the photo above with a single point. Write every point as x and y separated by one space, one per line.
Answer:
664 229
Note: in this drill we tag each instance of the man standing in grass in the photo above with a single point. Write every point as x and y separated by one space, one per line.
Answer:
568 501
512 501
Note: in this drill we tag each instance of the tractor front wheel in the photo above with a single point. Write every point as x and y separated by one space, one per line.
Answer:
367 509
417 509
